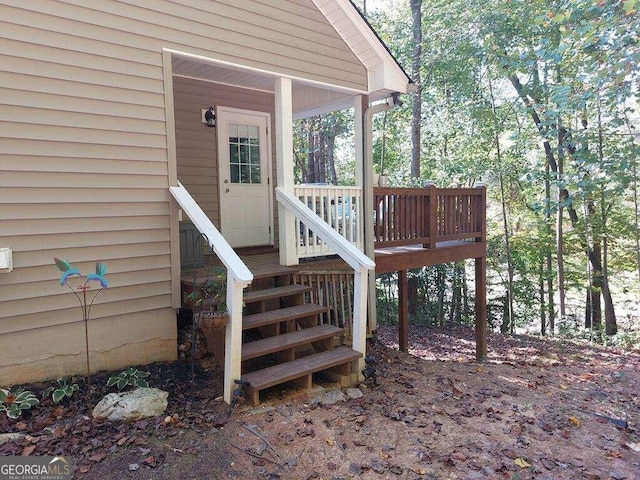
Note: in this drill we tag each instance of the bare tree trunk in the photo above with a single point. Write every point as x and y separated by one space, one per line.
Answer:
543 309
559 225
505 219
455 314
331 143
441 278
636 214
311 167
465 291
416 110
384 143
611 325
548 249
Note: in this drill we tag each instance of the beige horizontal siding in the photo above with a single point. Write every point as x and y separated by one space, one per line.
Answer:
266 36
38 81
88 239
111 302
81 225
72 194
47 272
50 289
33 163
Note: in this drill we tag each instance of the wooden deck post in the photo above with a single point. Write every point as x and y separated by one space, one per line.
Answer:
481 309
403 311
433 218
481 279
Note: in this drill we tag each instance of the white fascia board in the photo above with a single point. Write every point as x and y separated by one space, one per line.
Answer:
386 74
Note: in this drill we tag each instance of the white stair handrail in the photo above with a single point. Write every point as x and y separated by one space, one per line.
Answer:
217 242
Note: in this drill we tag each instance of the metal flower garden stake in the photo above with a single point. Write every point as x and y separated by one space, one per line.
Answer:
83 298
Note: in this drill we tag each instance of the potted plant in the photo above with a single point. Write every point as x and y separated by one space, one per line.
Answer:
208 304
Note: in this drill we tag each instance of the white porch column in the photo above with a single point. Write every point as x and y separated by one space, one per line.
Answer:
360 103
284 166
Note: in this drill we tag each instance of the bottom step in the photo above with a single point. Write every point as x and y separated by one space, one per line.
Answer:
297 370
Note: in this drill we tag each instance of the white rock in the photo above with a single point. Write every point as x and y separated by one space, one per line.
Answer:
330 397
131 406
8 437
354 393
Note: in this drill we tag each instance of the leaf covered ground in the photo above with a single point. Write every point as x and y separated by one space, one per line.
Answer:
537 409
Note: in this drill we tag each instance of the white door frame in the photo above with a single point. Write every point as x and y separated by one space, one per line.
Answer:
222 144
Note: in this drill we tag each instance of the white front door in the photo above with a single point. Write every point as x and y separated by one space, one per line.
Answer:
244 171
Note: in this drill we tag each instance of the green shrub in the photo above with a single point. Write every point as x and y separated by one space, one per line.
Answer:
63 390
130 377
13 403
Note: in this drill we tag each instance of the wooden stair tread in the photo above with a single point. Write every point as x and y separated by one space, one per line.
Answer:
277 292
281 315
288 371
260 271
277 343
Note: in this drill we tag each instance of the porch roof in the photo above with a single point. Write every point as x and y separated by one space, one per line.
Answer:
385 75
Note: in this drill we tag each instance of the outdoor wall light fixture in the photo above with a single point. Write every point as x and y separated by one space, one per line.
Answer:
209 117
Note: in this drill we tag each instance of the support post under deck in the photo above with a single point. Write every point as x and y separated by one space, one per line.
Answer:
403 310
481 308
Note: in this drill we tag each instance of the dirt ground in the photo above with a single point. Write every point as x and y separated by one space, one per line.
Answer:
536 410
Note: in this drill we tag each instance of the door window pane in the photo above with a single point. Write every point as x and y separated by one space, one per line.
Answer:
244 153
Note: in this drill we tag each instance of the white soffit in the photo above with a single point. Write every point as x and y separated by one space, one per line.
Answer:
384 71
308 100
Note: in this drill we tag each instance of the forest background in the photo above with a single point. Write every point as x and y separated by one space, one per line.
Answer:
538 100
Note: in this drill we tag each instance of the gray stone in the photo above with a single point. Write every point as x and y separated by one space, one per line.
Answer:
131 406
9 437
330 397
354 393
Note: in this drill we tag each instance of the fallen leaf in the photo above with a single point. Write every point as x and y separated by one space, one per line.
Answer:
330 442
97 457
521 463
563 387
84 468
21 425
613 454
575 421
28 450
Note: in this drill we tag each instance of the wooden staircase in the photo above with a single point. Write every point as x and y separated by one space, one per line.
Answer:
285 338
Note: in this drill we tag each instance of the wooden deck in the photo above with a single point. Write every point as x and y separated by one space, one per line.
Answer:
413 228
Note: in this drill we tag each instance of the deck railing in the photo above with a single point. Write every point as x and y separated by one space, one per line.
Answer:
340 207
410 216
238 277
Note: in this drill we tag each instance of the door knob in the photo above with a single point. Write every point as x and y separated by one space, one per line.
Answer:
226 190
